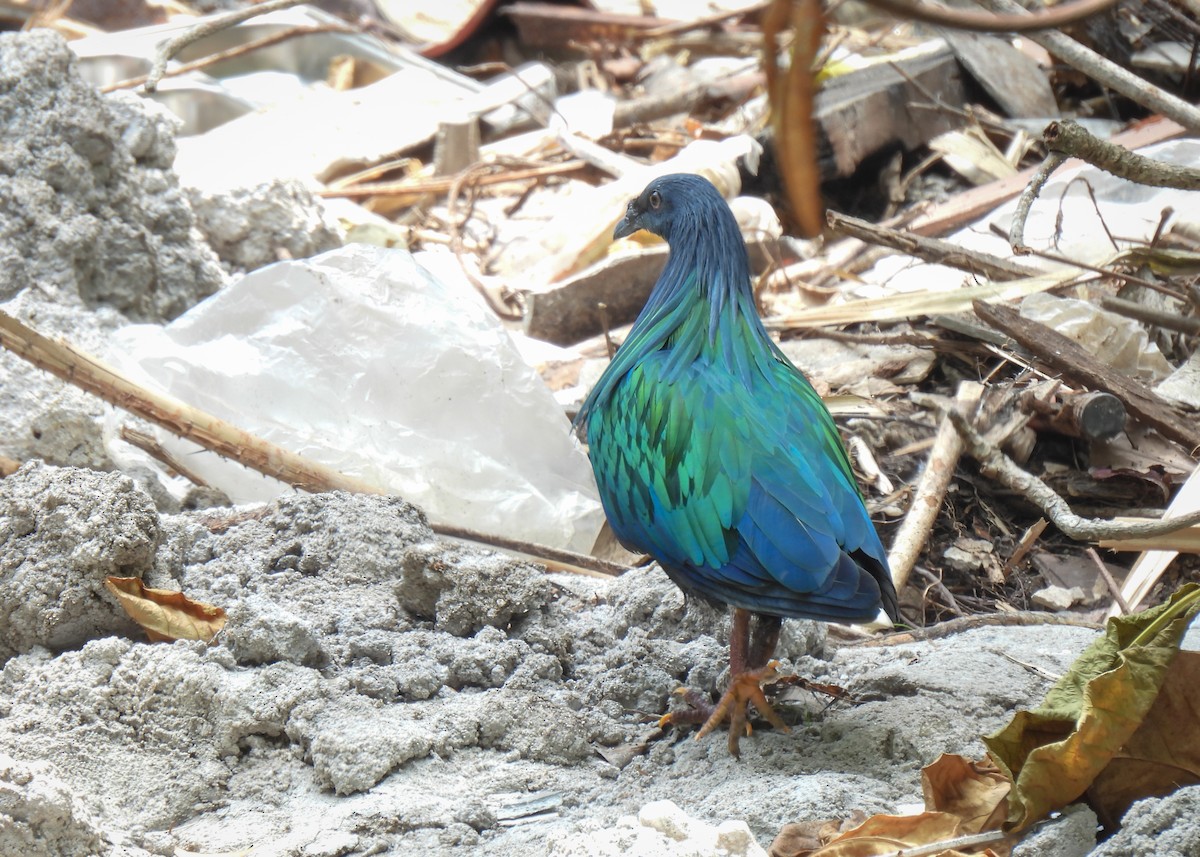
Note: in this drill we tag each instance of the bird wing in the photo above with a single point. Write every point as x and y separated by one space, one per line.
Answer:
743 491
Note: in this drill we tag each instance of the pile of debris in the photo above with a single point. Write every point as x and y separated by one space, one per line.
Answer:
321 263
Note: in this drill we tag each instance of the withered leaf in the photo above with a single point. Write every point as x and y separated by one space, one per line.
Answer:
164 614
798 839
976 792
1054 752
887 834
1163 754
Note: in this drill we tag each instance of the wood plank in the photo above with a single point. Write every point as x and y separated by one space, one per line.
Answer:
871 110
1080 366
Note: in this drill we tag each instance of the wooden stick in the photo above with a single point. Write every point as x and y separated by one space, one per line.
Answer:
1016 230
1166 320
931 489
553 558
231 53
1072 140
207 27
150 445
1109 581
444 184
1024 546
1186 540
88 373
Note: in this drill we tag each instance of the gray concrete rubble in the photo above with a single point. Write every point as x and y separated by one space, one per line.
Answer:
90 208
378 688
253 227
96 231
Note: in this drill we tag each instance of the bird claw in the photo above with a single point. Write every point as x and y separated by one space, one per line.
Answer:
744 688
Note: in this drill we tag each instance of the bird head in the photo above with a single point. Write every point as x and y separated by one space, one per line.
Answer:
666 200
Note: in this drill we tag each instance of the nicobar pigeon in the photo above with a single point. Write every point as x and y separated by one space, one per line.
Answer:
715 456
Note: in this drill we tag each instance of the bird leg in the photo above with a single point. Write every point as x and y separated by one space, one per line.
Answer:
750 667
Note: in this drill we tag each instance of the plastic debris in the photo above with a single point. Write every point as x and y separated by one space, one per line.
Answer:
361 359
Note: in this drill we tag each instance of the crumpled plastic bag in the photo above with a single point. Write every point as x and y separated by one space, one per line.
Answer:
361 359
1117 341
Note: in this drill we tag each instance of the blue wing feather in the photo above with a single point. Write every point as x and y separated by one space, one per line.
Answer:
752 511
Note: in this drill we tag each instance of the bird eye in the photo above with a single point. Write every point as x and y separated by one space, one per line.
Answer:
655 200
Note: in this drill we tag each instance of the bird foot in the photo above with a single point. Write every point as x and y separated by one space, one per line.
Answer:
744 688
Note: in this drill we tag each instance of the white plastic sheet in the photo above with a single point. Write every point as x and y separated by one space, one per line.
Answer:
1129 211
363 360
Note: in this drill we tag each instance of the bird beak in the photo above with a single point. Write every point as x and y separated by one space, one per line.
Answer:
627 226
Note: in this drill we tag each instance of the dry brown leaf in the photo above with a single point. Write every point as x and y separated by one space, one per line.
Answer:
962 797
1162 756
976 792
887 834
802 838
164 614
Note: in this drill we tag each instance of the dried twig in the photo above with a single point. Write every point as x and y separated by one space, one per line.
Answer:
1016 232
931 249
1024 546
150 445
1067 139
1104 71
677 27
1112 585
1004 470
1097 269
175 44
231 53
553 558
1073 140
444 184
86 372
1033 668
936 585
931 489
1167 320
964 19
968 623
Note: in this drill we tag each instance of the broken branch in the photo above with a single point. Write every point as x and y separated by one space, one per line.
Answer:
1105 71
1072 140
984 22
931 489
931 249
175 44
1004 470
90 374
